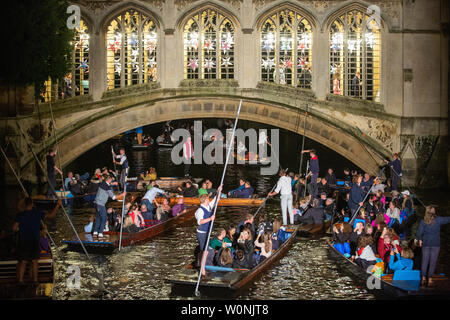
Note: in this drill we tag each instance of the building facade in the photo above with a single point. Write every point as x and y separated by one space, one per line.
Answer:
389 55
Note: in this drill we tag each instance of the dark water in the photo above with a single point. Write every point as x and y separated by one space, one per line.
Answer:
140 272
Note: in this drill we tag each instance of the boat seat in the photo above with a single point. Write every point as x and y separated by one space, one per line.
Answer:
407 279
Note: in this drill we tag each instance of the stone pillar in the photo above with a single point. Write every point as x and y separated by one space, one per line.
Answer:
425 100
97 64
320 64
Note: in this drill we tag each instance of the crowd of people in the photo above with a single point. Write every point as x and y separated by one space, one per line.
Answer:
242 246
371 220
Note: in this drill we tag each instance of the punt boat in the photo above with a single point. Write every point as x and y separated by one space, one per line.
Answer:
110 241
228 281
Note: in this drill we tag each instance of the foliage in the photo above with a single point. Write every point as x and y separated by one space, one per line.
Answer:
38 43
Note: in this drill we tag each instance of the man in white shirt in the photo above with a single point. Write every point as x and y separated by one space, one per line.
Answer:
204 217
262 143
284 188
150 195
124 163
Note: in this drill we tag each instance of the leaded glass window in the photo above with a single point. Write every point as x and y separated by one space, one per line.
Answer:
76 82
355 63
131 56
80 70
209 46
286 49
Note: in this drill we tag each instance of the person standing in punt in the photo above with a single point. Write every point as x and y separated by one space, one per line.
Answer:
356 195
429 238
103 194
124 163
188 155
396 166
28 224
313 172
204 216
51 167
284 187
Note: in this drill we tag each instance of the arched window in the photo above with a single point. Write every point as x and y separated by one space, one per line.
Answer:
131 44
80 70
76 82
286 49
209 46
355 46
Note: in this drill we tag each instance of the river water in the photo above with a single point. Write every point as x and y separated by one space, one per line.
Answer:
140 272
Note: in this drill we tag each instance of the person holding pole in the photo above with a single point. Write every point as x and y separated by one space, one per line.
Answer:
51 167
28 224
124 163
396 166
188 155
103 194
356 195
284 187
313 172
204 216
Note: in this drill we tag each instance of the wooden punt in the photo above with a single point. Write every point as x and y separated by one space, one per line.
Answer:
10 289
228 281
42 199
164 182
141 146
224 202
387 286
239 160
110 242
165 145
313 230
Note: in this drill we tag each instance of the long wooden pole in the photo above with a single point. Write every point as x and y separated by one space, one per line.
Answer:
202 266
303 147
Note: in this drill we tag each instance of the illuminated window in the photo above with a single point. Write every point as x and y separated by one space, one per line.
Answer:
355 56
208 46
286 43
131 42
80 74
76 82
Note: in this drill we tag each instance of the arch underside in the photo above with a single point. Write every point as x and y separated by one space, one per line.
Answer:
106 127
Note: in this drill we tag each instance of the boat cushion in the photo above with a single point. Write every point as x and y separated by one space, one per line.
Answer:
407 279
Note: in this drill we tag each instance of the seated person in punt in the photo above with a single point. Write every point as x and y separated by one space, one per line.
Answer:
241 187
129 226
189 191
179 208
163 211
245 193
137 217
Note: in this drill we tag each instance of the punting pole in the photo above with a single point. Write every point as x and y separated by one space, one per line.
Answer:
197 292
264 202
123 208
393 170
102 288
303 148
114 163
56 143
306 180
408 188
24 191
367 194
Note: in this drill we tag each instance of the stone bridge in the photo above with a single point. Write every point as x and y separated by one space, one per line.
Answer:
359 130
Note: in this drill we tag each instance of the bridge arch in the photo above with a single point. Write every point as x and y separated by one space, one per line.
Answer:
112 121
